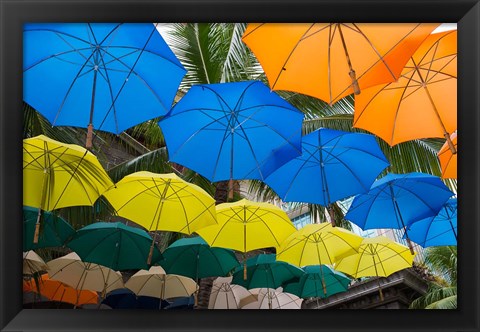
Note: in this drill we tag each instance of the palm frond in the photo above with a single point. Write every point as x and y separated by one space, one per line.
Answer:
437 298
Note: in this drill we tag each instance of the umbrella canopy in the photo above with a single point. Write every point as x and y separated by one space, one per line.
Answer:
114 245
156 283
312 282
269 298
225 295
422 103
100 75
377 257
126 299
332 60
265 271
33 263
57 175
162 202
334 165
317 244
440 230
247 225
182 303
70 270
194 258
228 131
57 291
54 233
397 200
448 160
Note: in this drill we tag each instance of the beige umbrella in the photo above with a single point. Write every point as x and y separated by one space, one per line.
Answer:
224 295
269 298
157 283
71 270
33 263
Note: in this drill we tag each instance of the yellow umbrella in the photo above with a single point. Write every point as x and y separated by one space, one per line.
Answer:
156 282
379 257
33 263
317 244
162 202
57 175
247 225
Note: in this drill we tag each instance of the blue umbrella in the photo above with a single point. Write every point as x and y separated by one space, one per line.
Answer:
334 165
125 299
397 200
107 76
228 131
440 230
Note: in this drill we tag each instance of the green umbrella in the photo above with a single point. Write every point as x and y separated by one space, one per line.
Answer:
114 245
264 271
194 258
311 285
54 232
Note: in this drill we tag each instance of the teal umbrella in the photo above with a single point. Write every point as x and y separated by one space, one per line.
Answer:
114 245
194 258
53 233
264 271
319 281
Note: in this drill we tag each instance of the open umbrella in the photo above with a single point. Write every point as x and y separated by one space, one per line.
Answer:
156 283
247 225
194 258
377 257
448 160
269 298
317 244
310 284
397 200
264 271
57 175
32 263
124 298
422 103
230 131
107 76
440 230
55 290
162 202
332 60
71 270
54 233
225 295
114 245
334 165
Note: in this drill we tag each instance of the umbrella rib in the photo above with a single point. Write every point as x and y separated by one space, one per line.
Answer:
57 57
207 207
359 261
356 119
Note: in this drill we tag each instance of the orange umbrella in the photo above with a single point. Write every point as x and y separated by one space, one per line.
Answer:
58 291
422 103
448 160
332 60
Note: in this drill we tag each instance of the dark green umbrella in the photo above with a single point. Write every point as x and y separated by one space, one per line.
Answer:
114 245
264 271
312 283
194 258
53 233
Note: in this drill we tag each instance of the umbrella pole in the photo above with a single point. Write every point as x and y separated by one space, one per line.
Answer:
380 292
450 222
42 203
150 253
445 132
332 214
88 143
399 215
244 267
351 73
195 304
230 189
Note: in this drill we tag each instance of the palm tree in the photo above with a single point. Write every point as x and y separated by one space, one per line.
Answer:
442 293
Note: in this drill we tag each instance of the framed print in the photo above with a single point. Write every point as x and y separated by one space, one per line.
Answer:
180 159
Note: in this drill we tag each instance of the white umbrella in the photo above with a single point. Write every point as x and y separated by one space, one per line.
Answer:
157 283
33 263
227 296
269 298
71 270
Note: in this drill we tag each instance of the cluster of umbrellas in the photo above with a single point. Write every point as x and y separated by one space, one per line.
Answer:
237 131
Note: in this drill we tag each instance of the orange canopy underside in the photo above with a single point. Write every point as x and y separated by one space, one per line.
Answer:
448 160
311 59
58 291
407 109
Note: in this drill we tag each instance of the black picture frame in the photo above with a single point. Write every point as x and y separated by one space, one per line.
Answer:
14 13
